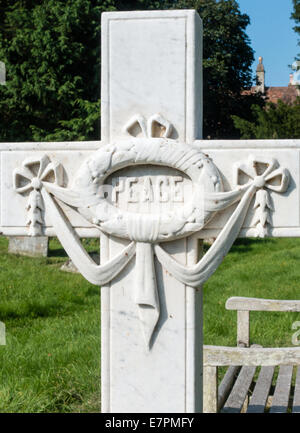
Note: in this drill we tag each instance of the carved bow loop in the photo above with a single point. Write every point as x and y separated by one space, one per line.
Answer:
29 179
266 175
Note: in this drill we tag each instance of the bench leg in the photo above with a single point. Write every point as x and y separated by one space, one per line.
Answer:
210 389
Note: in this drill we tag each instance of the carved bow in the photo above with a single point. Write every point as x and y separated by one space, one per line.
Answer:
266 175
252 178
29 179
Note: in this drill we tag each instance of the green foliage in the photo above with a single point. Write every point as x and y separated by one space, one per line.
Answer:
259 268
52 54
275 121
272 121
227 59
296 16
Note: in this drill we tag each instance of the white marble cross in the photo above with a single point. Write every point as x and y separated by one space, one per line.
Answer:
150 189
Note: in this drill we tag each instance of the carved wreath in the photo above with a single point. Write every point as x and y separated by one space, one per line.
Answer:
147 232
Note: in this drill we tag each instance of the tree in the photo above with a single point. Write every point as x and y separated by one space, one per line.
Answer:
296 17
50 49
227 59
52 56
274 121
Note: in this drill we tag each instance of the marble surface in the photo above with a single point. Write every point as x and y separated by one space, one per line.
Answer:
148 66
225 154
13 214
150 158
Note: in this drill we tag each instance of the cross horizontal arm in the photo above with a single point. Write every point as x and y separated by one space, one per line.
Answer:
276 214
36 146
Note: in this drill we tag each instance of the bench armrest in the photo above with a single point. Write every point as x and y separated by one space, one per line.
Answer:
256 304
217 356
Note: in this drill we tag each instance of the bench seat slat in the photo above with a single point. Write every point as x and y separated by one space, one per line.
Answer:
282 389
261 390
226 384
296 402
239 391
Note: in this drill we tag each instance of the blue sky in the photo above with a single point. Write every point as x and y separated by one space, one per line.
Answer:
272 37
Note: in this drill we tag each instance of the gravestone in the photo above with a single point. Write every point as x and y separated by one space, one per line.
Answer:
36 246
152 190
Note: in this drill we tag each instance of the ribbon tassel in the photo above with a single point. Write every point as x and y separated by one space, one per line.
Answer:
146 294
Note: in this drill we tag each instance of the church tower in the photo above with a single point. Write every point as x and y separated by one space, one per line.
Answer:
260 76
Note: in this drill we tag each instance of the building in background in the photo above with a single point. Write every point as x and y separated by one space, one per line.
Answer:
287 94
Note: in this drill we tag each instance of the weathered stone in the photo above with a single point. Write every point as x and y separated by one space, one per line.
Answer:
28 246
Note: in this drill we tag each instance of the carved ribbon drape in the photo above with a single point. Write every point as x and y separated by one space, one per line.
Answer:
145 243
145 292
196 275
95 274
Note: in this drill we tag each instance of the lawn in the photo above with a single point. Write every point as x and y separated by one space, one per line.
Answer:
262 268
51 362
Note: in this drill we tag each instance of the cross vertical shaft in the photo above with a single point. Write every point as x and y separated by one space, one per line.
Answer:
151 69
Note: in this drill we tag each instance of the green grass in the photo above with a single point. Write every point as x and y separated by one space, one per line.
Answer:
262 268
51 362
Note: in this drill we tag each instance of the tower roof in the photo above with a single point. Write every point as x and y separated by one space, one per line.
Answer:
260 66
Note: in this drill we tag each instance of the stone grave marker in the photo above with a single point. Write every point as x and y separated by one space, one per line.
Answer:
34 246
151 189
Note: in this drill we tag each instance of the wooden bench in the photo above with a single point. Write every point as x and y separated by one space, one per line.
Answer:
239 390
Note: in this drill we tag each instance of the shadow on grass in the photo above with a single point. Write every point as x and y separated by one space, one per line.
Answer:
93 291
57 252
60 252
245 245
34 310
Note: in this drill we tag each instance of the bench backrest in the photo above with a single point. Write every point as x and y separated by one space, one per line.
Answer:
243 306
